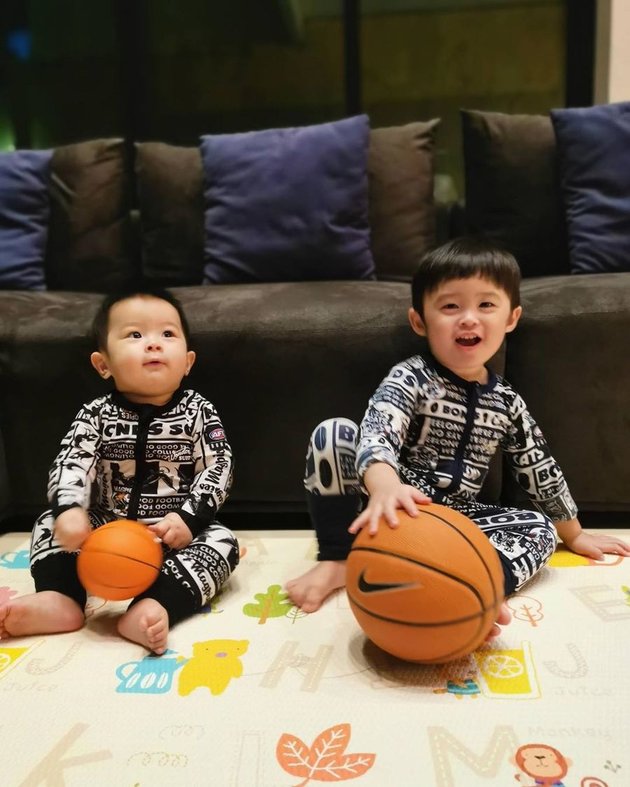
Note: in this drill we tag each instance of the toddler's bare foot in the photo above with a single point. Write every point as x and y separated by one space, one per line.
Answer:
504 617
147 624
311 589
47 612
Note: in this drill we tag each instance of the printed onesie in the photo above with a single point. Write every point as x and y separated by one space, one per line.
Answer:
122 460
439 432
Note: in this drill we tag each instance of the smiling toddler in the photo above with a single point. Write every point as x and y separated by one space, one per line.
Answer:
432 428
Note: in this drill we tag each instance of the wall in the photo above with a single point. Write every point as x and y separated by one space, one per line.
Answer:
612 57
432 64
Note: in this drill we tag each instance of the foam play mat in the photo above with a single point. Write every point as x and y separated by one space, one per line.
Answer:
254 693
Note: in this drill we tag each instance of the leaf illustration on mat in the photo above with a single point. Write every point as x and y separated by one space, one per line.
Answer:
325 760
272 604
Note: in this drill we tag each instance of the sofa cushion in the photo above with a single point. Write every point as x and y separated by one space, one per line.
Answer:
512 188
594 148
90 239
24 215
46 375
287 204
400 204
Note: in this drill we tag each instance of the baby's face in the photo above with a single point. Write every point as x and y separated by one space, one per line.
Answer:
465 322
146 350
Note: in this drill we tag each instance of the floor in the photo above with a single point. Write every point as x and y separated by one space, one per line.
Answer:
254 693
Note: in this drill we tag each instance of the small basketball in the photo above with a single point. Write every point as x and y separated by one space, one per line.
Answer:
428 590
119 560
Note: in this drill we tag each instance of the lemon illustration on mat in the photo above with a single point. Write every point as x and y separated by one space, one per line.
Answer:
507 673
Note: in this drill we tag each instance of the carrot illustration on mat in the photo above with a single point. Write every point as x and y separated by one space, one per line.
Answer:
325 760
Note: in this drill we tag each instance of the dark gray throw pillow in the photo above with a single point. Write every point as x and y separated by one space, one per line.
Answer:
170 197
400 186
287 204
24 215
594 146
90 246
513 190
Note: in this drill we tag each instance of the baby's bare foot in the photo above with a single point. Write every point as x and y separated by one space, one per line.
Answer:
147 624
310 590
47 612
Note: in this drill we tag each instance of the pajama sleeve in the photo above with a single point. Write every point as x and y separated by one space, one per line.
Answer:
74 469
213 471
533 466
386 422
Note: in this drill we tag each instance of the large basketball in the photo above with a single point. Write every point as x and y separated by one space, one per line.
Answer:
428 590
119 560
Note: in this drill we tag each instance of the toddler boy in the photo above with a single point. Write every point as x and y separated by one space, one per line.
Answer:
431 429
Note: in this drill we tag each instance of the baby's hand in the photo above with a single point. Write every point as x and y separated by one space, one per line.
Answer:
384 502
71 528
173 531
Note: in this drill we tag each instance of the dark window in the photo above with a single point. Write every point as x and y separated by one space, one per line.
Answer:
170 71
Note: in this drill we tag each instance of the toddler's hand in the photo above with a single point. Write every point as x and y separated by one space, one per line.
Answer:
596 545
384 502
71 528
173 531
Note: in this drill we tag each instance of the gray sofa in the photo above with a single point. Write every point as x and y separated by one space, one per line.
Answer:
276 358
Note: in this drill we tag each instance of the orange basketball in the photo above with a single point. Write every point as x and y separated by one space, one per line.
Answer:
119 560
430 589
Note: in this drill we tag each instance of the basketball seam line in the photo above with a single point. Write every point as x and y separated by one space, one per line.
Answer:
452 622
459 532
117 554
446 522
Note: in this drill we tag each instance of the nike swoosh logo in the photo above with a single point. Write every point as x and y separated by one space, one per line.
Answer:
376 587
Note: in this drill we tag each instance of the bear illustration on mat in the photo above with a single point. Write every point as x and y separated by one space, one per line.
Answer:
213 664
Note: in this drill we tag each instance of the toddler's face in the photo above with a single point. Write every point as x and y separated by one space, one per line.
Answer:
465 322
146 350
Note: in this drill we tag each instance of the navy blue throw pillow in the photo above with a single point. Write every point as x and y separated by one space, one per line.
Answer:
24 212
287 204
594 152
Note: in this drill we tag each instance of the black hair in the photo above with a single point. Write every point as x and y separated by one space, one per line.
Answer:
463 258
100 324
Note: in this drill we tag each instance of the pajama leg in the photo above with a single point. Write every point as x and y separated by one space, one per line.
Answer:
524 540
191 576
333 494
52 568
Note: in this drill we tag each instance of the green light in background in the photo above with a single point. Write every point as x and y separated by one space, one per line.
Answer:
7 140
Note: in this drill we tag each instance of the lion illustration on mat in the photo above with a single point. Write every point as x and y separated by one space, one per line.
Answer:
213 664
